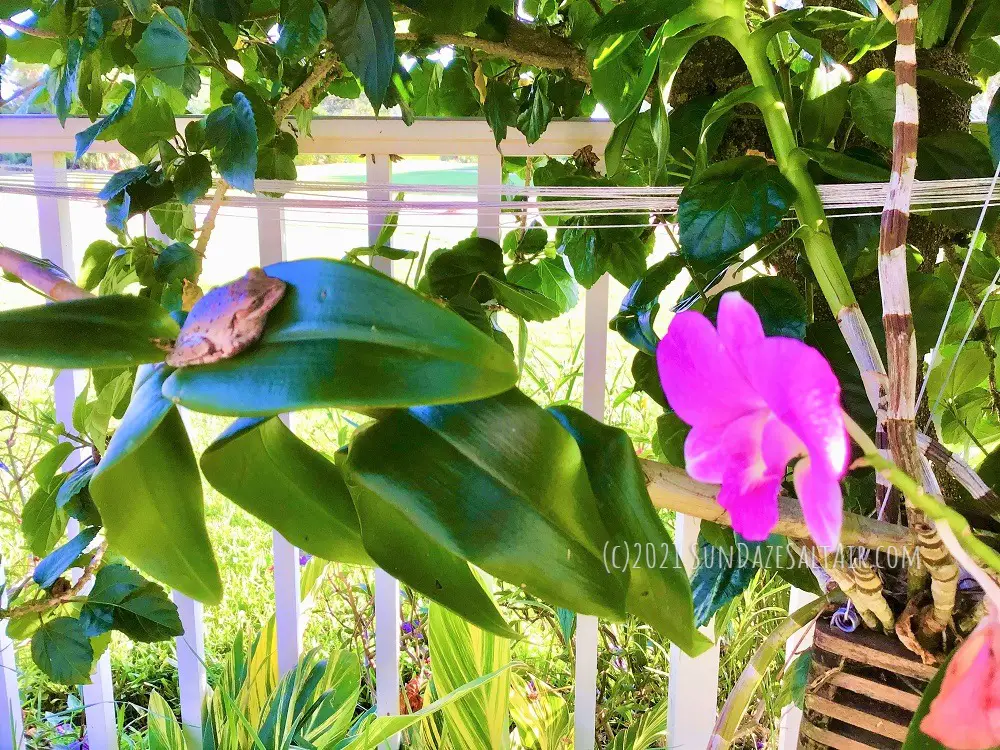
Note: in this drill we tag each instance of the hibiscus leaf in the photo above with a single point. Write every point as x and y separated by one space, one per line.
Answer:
634 320
62 650
231 131
729 206
363 34
781 308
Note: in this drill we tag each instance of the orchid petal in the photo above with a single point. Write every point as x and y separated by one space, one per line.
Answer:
821 500
709 451
739 326
752 503
802 391
699 378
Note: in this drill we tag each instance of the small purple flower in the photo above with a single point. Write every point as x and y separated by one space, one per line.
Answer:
304 557
63 728
407 627
619 663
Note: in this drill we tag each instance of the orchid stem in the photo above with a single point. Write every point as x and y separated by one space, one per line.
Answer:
933 508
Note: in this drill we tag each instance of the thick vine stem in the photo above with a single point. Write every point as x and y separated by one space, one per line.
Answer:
671 488
46 279
735 708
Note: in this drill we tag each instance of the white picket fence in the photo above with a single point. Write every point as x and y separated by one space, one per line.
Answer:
693 684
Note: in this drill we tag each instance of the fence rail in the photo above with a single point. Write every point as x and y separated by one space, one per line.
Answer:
693 682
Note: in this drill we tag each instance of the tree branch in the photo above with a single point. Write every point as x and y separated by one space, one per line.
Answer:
521 43
671 489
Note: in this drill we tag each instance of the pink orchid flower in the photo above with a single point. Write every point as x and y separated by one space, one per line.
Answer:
754 404
965 715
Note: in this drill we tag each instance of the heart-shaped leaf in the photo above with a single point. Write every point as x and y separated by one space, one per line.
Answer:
730 206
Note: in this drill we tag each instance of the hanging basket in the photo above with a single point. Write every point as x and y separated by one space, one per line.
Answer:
864 689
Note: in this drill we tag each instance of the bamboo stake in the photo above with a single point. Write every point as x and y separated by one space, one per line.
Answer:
671 489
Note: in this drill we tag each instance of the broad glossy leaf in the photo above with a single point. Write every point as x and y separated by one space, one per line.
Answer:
62 651
192 178
824 101
461 653
487 479
993 127
347 336
844 167
231 132
721 576
873 104
730 206
781 308
659 594
111 331
427 566
57 562
536 110
525 303
62 80
255 461
86 138
364 36
795 681
121 599
96 259
500 108
671 432
549 278
148 490
42 521
164 47
463 269
303 27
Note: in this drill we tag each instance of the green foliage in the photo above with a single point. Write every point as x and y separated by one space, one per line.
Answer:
363 34
150 454
346 336
113 331
729 206
256 461
61 649
231 133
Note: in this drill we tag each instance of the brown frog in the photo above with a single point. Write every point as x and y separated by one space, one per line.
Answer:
226 320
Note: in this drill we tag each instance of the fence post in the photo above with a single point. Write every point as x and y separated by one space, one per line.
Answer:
287 598
378 170
55 235
693 691
595 363
192 682
791 715
11 724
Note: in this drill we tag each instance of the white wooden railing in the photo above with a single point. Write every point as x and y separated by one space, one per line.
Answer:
693 685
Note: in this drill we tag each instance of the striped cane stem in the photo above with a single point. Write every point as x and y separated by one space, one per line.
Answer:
897 317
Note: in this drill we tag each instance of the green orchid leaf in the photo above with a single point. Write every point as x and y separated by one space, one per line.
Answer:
111 331
255 461
148 490
347 336
488 479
